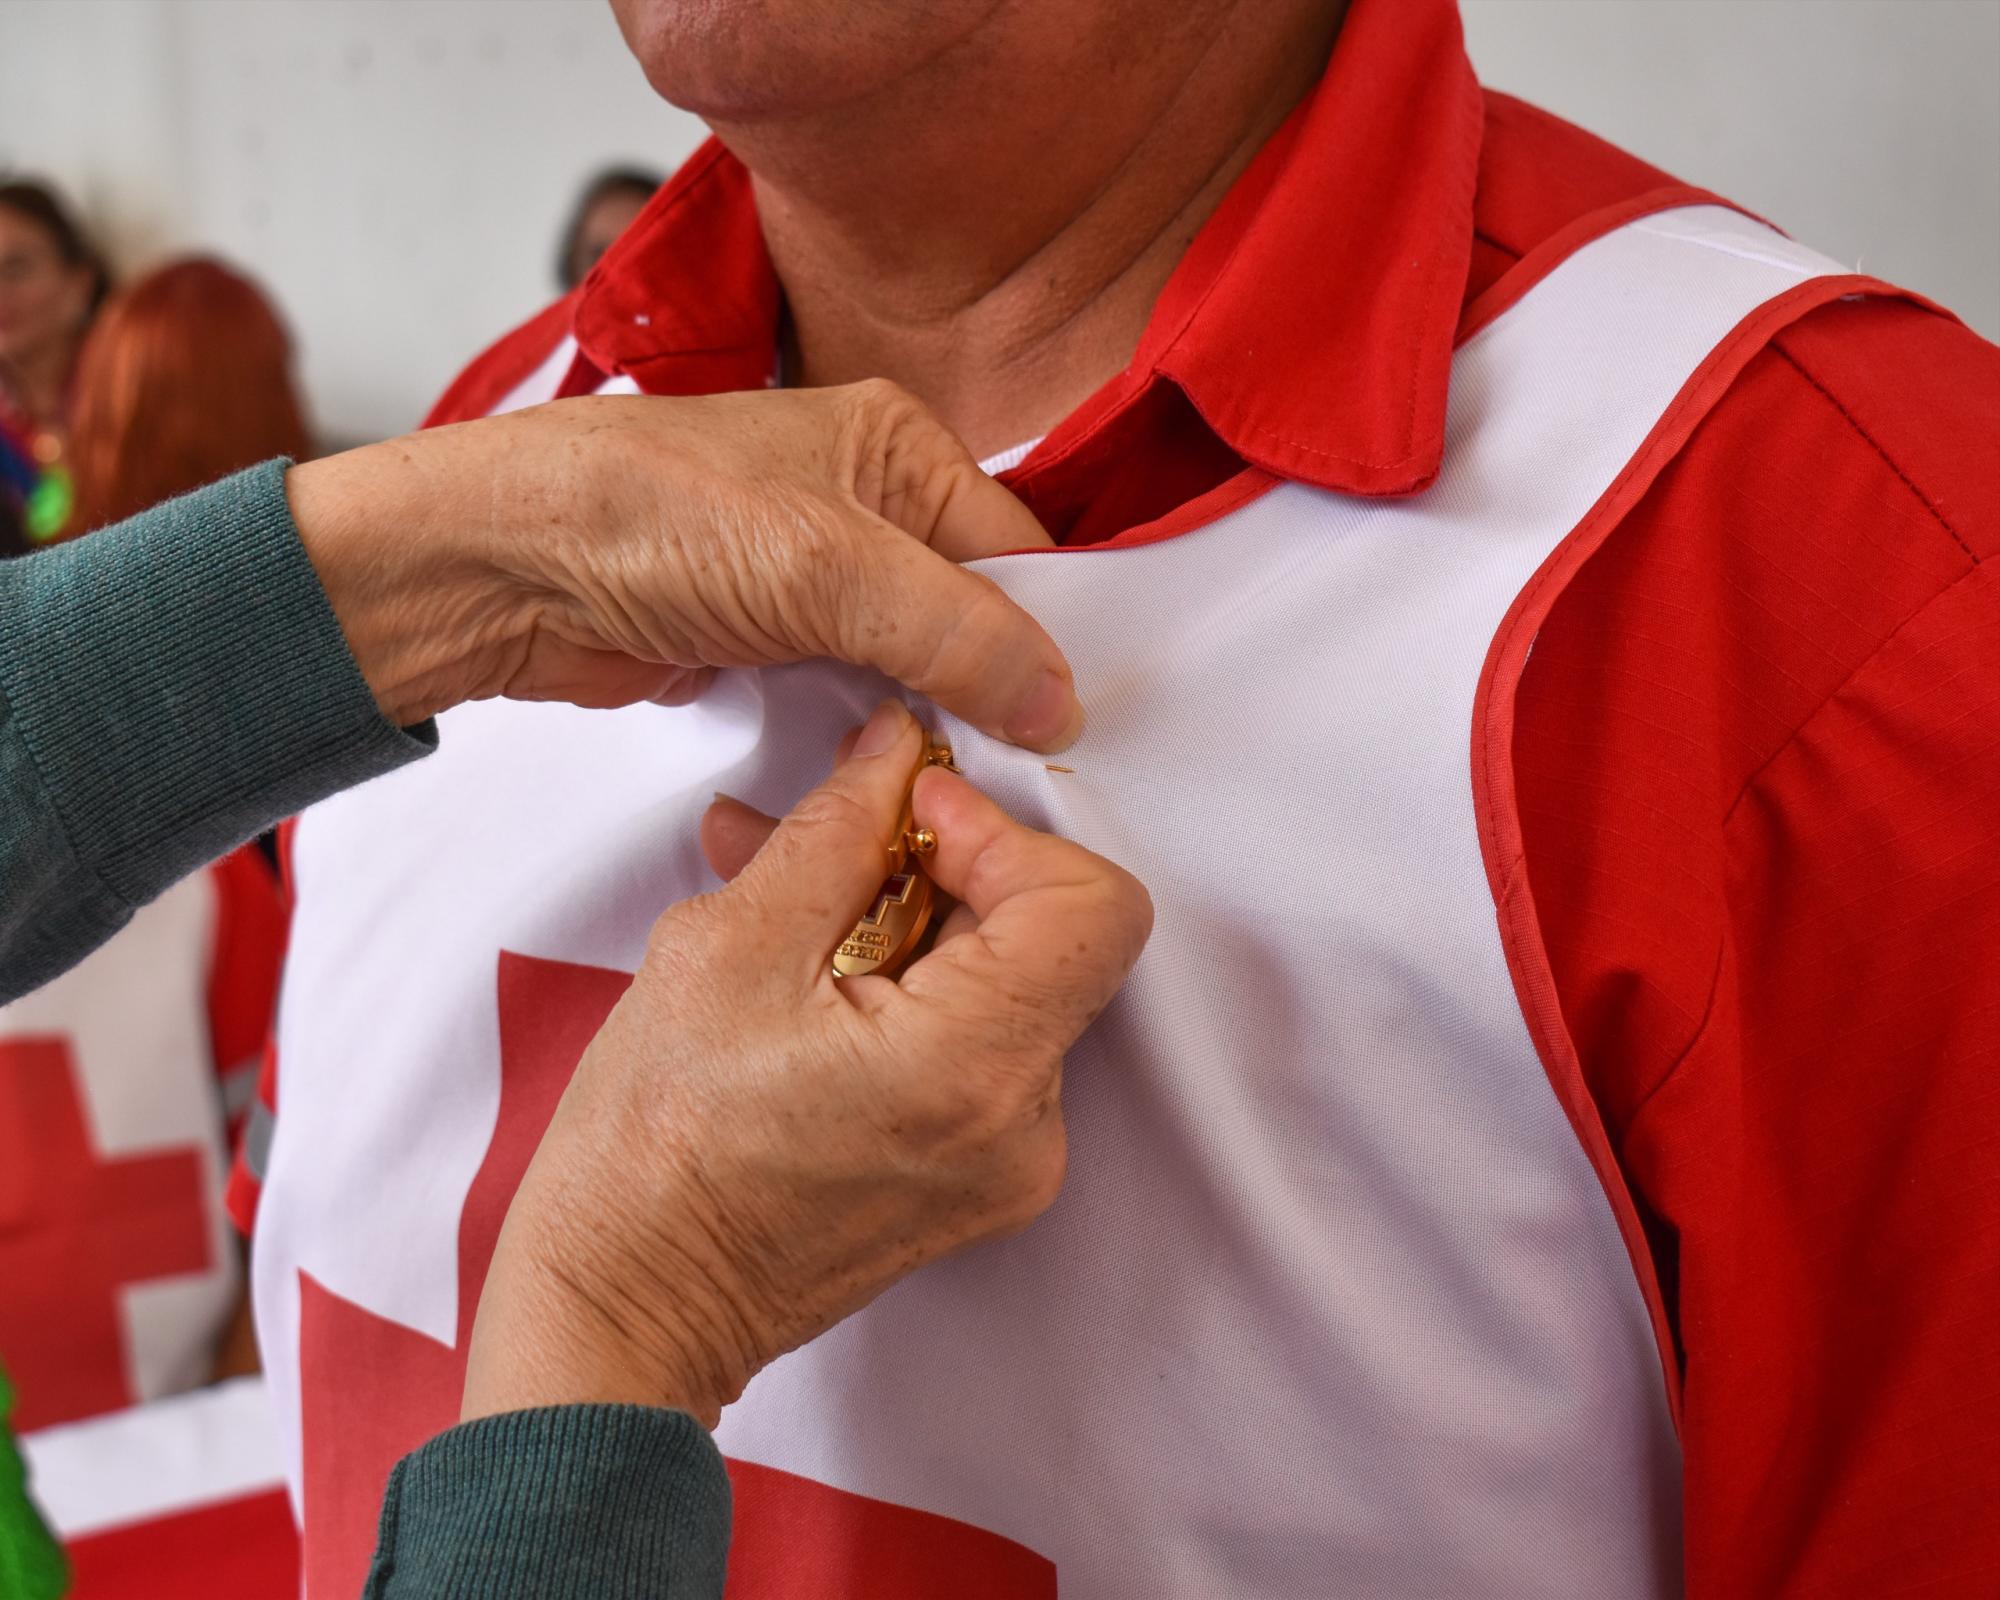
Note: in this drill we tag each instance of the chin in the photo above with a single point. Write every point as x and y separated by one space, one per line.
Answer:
749 60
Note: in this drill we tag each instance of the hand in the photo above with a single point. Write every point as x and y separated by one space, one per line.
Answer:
611 549
750 1150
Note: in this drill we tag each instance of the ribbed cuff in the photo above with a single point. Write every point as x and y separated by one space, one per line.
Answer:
586 1502
181 683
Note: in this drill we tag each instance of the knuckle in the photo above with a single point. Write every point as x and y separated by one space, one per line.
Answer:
883 398
879 390
684 939
1118 909
873 412
831 811
1047 1172
901 461
1036 1179
1131 902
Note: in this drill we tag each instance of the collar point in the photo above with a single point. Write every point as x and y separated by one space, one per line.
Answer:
1376 480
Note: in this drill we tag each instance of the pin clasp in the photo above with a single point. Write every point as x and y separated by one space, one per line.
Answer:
890 930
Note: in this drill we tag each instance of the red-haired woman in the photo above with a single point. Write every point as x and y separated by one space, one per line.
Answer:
186 378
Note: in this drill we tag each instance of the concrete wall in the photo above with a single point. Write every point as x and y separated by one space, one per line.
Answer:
395 169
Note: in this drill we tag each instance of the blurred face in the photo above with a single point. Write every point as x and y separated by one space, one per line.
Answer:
43 300
609 215
739 60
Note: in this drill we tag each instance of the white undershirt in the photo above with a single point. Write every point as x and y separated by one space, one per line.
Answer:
1012 456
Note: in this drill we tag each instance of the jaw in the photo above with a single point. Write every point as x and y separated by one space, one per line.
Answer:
745 62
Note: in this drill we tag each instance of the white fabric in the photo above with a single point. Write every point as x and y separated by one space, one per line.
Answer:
1007 459
135 1016
542 383
155 1460
1333 1301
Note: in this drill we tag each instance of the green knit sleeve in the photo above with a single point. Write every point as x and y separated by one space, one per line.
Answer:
169 687
31 1566
586 1502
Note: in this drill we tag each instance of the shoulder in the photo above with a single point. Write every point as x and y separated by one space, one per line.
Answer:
1892 387
1846 481
1848 477
505 365
1916 394
1539 176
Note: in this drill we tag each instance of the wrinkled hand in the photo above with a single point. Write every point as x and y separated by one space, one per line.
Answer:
750 1150
611 549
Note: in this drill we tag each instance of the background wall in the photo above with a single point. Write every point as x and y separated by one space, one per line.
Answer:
396 169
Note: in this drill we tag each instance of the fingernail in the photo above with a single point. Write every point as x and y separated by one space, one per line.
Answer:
884 728
1050 718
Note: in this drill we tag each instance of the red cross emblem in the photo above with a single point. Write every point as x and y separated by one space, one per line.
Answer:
75 1228
372 1389
895 892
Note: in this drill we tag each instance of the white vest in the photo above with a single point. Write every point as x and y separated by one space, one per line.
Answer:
1334 1302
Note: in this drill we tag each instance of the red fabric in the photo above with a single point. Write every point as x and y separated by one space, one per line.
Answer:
240 1194
374 1390
1752 758
484 384
793 1539
1351 395
1496 797
78 1227
241 1549
249 950
239 1197
1757 764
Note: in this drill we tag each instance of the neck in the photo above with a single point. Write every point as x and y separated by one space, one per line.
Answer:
998 251
35 381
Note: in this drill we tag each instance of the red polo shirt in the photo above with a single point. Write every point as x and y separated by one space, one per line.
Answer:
1756 752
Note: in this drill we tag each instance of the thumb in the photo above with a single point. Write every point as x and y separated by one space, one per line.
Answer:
955 637
826 860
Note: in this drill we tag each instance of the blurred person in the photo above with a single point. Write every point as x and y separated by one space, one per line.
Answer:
1544 652
127 1283
51 283
123 1081
186 378
604 210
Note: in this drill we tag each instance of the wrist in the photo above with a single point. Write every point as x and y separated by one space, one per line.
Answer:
402 536
561 1322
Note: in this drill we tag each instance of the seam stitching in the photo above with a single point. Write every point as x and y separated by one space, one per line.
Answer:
1874 444
1840 689
1686 1050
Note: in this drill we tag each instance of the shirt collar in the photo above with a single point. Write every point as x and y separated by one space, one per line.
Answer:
686 301
1310 323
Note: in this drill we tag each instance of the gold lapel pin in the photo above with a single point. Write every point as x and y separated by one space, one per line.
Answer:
891 929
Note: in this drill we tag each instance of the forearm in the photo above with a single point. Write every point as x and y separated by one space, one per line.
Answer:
169 687
411 539
602 1501
172 685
